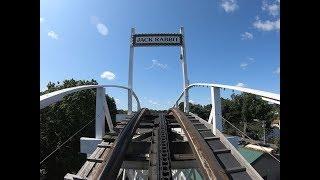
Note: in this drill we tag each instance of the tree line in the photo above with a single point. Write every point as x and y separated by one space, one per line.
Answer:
240 110
61 120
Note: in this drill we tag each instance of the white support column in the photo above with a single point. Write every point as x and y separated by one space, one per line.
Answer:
184 71
124 174
107 114
130 82
100 113
215 114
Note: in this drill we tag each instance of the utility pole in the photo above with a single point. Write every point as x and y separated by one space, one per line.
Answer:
244 128
264 129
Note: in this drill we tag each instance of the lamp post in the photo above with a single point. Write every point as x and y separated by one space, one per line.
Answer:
264 129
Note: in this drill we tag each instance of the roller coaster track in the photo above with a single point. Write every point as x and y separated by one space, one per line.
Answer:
144 141
160 144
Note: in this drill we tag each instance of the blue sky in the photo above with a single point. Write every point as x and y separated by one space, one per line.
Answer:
227 41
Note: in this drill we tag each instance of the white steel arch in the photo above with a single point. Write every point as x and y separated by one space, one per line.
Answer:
102 109
53 97
215 114
267 96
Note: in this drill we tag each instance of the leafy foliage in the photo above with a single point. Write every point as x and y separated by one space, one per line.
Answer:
239 109
244 108
61 120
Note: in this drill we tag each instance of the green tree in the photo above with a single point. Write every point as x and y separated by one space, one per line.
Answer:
201 111
241 108
61 120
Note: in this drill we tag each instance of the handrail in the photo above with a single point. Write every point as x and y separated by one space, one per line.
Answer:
267 96
53 97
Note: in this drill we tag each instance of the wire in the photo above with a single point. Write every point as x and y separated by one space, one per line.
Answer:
66 141
250 138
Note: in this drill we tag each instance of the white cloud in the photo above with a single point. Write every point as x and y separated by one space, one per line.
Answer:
277 71
101 27
229 5
246 36
273 9
103 30
108 75
240 84
251 59
117 100
42 19
192 101
153 102
244 65
53 35
267 25
156 63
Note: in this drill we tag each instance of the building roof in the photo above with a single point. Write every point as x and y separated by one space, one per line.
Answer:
259 148
249 154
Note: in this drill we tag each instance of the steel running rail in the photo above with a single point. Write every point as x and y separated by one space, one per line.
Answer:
208 163
112 164
267 96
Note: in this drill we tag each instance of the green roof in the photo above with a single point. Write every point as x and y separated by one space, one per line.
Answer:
249 154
